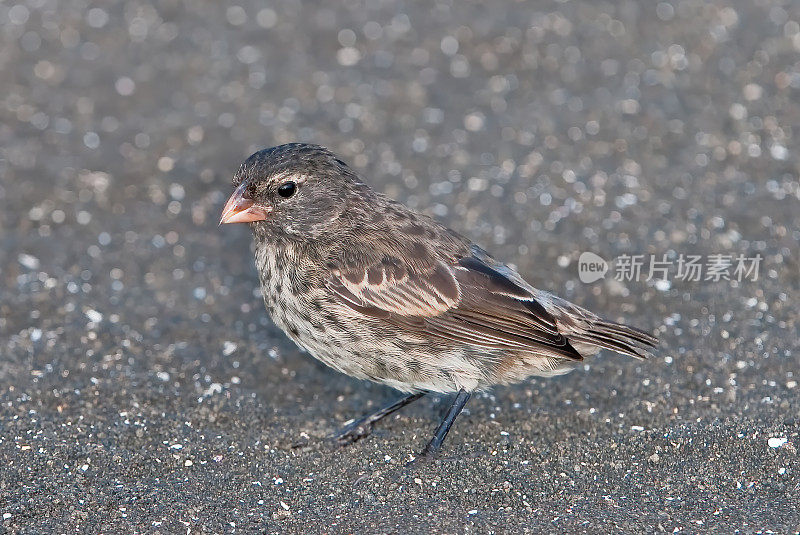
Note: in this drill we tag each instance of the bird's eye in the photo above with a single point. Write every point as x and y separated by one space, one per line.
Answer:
287 189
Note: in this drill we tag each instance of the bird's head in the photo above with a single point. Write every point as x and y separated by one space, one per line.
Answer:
290 190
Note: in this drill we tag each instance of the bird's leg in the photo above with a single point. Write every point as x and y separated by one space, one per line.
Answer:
358 429
447 422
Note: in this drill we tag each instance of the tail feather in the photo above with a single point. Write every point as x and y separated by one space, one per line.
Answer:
640 336
617 337
589 330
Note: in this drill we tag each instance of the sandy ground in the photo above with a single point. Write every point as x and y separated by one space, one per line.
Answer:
143 387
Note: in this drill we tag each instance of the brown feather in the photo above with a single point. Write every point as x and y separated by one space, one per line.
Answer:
468 303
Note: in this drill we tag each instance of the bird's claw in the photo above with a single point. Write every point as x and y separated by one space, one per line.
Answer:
352 433
425 457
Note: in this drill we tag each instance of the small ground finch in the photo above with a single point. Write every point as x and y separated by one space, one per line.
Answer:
380 292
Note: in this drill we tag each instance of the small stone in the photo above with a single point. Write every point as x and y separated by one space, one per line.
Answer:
777 442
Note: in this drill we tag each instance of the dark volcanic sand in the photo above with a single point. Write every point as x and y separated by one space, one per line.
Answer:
143 387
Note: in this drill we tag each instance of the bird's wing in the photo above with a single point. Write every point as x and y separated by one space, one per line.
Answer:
467 301
391 287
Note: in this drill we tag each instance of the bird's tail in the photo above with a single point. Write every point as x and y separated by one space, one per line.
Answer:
616 337
588 332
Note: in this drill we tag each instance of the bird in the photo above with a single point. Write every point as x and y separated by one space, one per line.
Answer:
381 292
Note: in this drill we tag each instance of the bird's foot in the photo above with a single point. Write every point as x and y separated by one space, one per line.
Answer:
426 456
353 432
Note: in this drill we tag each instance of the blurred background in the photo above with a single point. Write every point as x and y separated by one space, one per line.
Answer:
142 385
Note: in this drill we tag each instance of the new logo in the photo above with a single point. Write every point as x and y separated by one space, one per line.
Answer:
591 267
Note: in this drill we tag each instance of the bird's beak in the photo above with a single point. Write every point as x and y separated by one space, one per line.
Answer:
240 209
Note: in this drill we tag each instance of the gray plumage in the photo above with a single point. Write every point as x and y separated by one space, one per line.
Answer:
378 291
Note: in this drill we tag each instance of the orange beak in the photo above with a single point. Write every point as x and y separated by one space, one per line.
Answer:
240 209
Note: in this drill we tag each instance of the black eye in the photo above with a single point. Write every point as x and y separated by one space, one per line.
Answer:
287 189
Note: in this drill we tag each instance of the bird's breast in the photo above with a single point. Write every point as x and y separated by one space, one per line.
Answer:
293 295
286 278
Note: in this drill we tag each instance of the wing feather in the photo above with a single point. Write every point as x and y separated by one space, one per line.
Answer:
398 291
474 299
468 302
